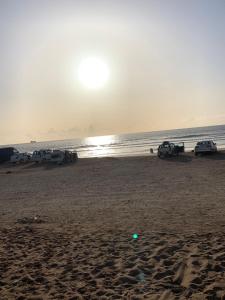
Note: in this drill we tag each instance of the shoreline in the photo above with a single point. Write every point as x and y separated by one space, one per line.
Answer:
131 144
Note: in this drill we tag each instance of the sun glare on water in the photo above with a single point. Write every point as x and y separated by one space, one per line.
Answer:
93 73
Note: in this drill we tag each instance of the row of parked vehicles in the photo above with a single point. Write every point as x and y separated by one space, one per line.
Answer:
168 149
45 155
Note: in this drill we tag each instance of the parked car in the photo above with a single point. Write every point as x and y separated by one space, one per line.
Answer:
6 153
168 149
205 147
63 156
71 156
57 156
41 155
20 157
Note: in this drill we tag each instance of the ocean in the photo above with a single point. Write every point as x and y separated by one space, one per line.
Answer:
132 144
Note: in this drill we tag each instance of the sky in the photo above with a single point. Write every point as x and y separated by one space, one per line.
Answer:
165 60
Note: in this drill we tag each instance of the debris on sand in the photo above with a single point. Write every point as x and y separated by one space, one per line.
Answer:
31 220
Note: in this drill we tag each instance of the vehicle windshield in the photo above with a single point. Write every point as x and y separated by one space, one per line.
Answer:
204 143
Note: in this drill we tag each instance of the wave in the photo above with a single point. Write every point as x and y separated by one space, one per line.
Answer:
188 136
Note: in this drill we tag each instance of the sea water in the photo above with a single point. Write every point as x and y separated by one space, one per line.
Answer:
132 144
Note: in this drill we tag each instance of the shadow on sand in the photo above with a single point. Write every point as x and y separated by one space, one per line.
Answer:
215 156
47 165
181 158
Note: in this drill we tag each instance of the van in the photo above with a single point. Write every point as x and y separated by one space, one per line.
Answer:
6 153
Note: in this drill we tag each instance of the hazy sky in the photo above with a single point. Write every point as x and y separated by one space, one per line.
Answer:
166 60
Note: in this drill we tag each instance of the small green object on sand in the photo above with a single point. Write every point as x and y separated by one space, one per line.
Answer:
135 236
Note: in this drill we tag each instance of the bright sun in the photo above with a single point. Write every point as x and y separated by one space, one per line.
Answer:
93 73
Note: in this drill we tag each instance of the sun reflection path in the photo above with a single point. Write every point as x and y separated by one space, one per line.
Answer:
101 144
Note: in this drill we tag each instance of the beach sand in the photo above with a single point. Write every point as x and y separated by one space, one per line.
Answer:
66 231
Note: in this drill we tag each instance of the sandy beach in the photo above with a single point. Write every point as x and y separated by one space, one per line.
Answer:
66 231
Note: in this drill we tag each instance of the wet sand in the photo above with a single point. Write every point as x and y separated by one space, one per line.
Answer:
66 231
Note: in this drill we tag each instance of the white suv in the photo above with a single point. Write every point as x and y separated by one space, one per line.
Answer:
205 147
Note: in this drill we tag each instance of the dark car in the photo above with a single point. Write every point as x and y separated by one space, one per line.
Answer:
167 149
6 153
